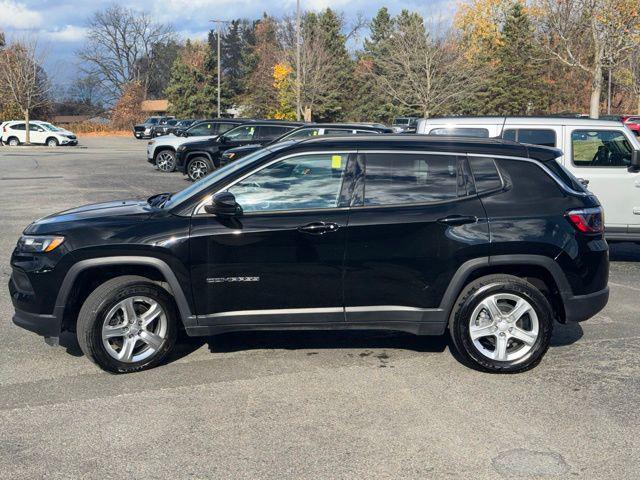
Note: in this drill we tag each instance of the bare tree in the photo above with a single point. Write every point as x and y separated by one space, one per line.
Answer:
590 35
24 80
634 80
121 48
425 69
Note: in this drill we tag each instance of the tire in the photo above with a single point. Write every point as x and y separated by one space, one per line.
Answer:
13 142
52 142
105 310
494 342
199 167
166 161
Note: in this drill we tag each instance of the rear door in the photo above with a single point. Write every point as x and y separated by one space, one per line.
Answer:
418 220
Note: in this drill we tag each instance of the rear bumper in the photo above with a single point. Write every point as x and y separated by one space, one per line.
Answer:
579 308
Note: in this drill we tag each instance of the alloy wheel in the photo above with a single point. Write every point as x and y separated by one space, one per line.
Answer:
166 162
14 142
52 143
134 329
198 169
504 327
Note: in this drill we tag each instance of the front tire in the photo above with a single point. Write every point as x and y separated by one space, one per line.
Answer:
52 142
501 324
166 161
199 167
127 324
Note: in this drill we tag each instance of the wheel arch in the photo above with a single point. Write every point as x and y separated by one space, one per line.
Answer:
84 276
161 149
543 272
198 153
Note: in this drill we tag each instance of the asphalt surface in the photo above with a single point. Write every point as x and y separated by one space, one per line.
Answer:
301 405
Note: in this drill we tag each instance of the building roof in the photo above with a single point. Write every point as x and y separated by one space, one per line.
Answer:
155 105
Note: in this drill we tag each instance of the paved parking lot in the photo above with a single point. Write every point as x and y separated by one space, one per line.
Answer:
301 405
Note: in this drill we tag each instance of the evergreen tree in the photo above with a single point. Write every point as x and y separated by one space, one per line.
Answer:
261 95
517 87
370 100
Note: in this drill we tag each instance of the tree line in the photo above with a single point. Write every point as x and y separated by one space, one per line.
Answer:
497 57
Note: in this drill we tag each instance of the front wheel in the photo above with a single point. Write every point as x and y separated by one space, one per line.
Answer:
166 161
52 142
127 324
501 324
198 168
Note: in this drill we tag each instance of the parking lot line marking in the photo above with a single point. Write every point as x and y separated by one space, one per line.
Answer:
624 286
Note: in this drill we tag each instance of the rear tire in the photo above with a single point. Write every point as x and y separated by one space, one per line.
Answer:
127 324
13 142
199 167
501 324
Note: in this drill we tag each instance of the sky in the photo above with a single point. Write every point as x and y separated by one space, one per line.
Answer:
59 25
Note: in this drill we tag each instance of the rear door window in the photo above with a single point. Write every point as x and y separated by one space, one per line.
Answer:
461 132
404 178
534 136
18 126
485 174
272 131
600 148
203 129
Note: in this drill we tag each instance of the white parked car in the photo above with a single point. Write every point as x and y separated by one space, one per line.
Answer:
597 152
161 151
14 133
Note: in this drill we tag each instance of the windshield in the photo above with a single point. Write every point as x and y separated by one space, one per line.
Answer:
151 121
220 173
51 128
401 121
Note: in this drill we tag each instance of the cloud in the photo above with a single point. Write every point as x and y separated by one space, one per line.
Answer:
17 15
68 33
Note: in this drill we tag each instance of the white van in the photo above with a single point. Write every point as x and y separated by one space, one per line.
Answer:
598 152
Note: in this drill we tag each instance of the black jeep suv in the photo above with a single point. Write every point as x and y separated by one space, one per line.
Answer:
199 158
490 239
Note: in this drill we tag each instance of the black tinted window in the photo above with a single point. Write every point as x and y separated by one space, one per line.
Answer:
461 132
203 129
485 174
225 127
400 178
273 131
545 138
18 126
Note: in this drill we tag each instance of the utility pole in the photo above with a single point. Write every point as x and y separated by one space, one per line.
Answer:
609 95
219 27
298 45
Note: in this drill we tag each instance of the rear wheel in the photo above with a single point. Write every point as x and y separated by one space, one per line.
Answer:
199 167
501 324
166 161
13 141
127 324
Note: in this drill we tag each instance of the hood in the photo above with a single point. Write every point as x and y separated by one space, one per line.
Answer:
120 211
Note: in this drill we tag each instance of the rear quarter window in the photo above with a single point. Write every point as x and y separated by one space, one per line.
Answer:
533 136
485 174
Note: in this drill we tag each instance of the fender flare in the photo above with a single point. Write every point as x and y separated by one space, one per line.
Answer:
459 279
67 284
198 153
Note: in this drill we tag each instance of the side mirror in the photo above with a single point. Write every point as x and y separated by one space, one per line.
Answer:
224 204
222 139
635 161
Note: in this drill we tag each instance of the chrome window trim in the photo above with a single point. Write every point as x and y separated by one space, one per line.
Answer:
199 210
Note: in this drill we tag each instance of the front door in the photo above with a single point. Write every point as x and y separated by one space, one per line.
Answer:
282 259
419 221
602 156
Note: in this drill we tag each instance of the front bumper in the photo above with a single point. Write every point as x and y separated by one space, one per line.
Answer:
579 308
44 325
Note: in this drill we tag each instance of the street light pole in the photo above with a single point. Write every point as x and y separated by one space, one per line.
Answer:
298 82
219 25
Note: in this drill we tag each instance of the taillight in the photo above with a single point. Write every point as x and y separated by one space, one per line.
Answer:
587 220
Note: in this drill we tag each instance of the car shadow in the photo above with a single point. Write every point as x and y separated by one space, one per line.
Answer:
566 334
624 252
320 340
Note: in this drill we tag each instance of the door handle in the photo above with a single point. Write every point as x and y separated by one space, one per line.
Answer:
455 220
318 228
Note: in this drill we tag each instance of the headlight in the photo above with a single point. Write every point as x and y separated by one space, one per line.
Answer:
39 243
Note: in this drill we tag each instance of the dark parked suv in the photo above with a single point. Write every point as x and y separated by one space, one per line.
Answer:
488 239
199 158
